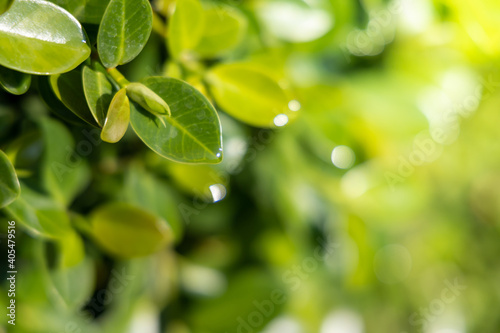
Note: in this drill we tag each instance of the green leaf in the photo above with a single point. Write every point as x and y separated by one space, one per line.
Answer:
86 11
64 173
39 214
192 134
224 29
118 118
15 82
98 92
38 37
5 5
127 231
68 88
185 27
9 184
124 30
147 191
148 99
248 94
54 104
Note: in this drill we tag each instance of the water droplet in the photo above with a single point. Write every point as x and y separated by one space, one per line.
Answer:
218 192
343 157
281 120
294 105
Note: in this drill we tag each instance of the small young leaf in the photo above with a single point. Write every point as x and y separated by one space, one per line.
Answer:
68 87
192 134
148 99
247 94
5 5
118 118
126 231
124 30
224 29
64 173
15 82
38 37
98 92
185 27
9 184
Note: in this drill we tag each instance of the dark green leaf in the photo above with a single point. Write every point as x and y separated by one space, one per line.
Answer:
124 30
192 134
38 37
86 11
15 82
127 231
118 118
9 185
98 92
5 5
68 87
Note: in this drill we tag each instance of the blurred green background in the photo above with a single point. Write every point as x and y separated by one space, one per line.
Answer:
373 207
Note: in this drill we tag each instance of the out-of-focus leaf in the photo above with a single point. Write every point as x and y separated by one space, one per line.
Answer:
117 119
192 134
127 231
9 184
147 98
40 215
147 191
186 26
248 94
72 250
124 30
68 88
224 29
98 92
64 173
38 37
5 5
86 11
15 82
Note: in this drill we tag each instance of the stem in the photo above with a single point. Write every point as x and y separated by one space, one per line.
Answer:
118 77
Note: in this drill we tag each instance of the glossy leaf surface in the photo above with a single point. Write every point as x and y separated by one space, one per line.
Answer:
15 82
124 31
39 37
192 134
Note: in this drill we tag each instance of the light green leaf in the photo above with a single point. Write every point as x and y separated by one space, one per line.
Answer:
118 118
248 94
127 231
148 99
38 37
185 27
9 184
98 92
86 11
15 82
5 5
68 88
39 214
124 30
192 134
224 29
64 173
